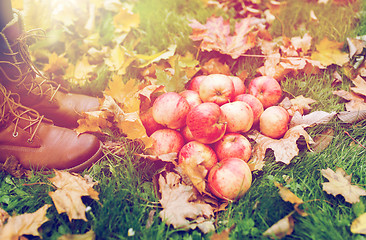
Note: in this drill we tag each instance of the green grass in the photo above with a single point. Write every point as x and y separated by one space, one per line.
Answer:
125 183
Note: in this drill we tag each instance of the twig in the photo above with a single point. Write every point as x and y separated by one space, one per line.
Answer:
354 140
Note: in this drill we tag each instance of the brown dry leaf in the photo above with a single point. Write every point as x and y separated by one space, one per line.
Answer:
25 224
323 140
328 52
215 35
302 103
146 96
93 122
196 172
355 46
70 187
340 183
356 102
90 235
3 217
360 84
311 119
181 207
287 195
214 66
14 168
351 117
358 225
224 235
282 228
285 149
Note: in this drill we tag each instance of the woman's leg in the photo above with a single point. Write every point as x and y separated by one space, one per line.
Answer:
6 13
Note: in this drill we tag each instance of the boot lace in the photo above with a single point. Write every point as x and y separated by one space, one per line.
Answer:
12 110
43 85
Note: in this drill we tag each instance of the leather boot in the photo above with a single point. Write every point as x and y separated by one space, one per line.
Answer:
40 145
19 75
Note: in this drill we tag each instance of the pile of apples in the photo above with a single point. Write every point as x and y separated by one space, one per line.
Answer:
206 123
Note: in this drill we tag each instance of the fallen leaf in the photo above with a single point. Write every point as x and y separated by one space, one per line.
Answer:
215 35
125 19
340 183
351 117
119 60
57 64
328 52
196 172
180 206
14 168
3 217
302 103
311 119
24 224
214 66
81 72
358 225
224 235
287 195
356 103
90 235
168 157
323 140
285 149
355 46
282 228
70 187
360 84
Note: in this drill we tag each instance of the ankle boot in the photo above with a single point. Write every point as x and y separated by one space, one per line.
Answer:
37 144
19 75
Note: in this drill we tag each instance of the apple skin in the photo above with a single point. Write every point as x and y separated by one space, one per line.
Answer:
254 103
149 123
229 179
206 122
239 116
192 97
170 110
195 152
274 122
233 145
266 89
239 87
216 88
194 83
166 141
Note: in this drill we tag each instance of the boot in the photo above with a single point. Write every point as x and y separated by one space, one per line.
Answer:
19 75
38 144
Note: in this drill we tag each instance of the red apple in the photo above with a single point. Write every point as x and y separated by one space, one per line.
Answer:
230 179
239 116
239 87
266 89
170 109
149 123
206 122
216 88
197 153
274 122
187 135
233 145
192 97
166 141
194 83
254 103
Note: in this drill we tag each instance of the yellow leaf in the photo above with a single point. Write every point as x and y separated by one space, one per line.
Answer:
125 19
70 189
25 224
340 183
56 63
280 229
124 93
287 195
359 224
119 60
328 52
90 235
93 122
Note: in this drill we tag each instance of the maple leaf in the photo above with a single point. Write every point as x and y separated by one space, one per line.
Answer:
125 19
285 149
181 207
360 84
359 224
3 217
149 59
56 64
196 172
119 60
214 66
215 35
94 121
280 229
311 119
299 103
81 72
340 183
70 187
328 52
25 224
